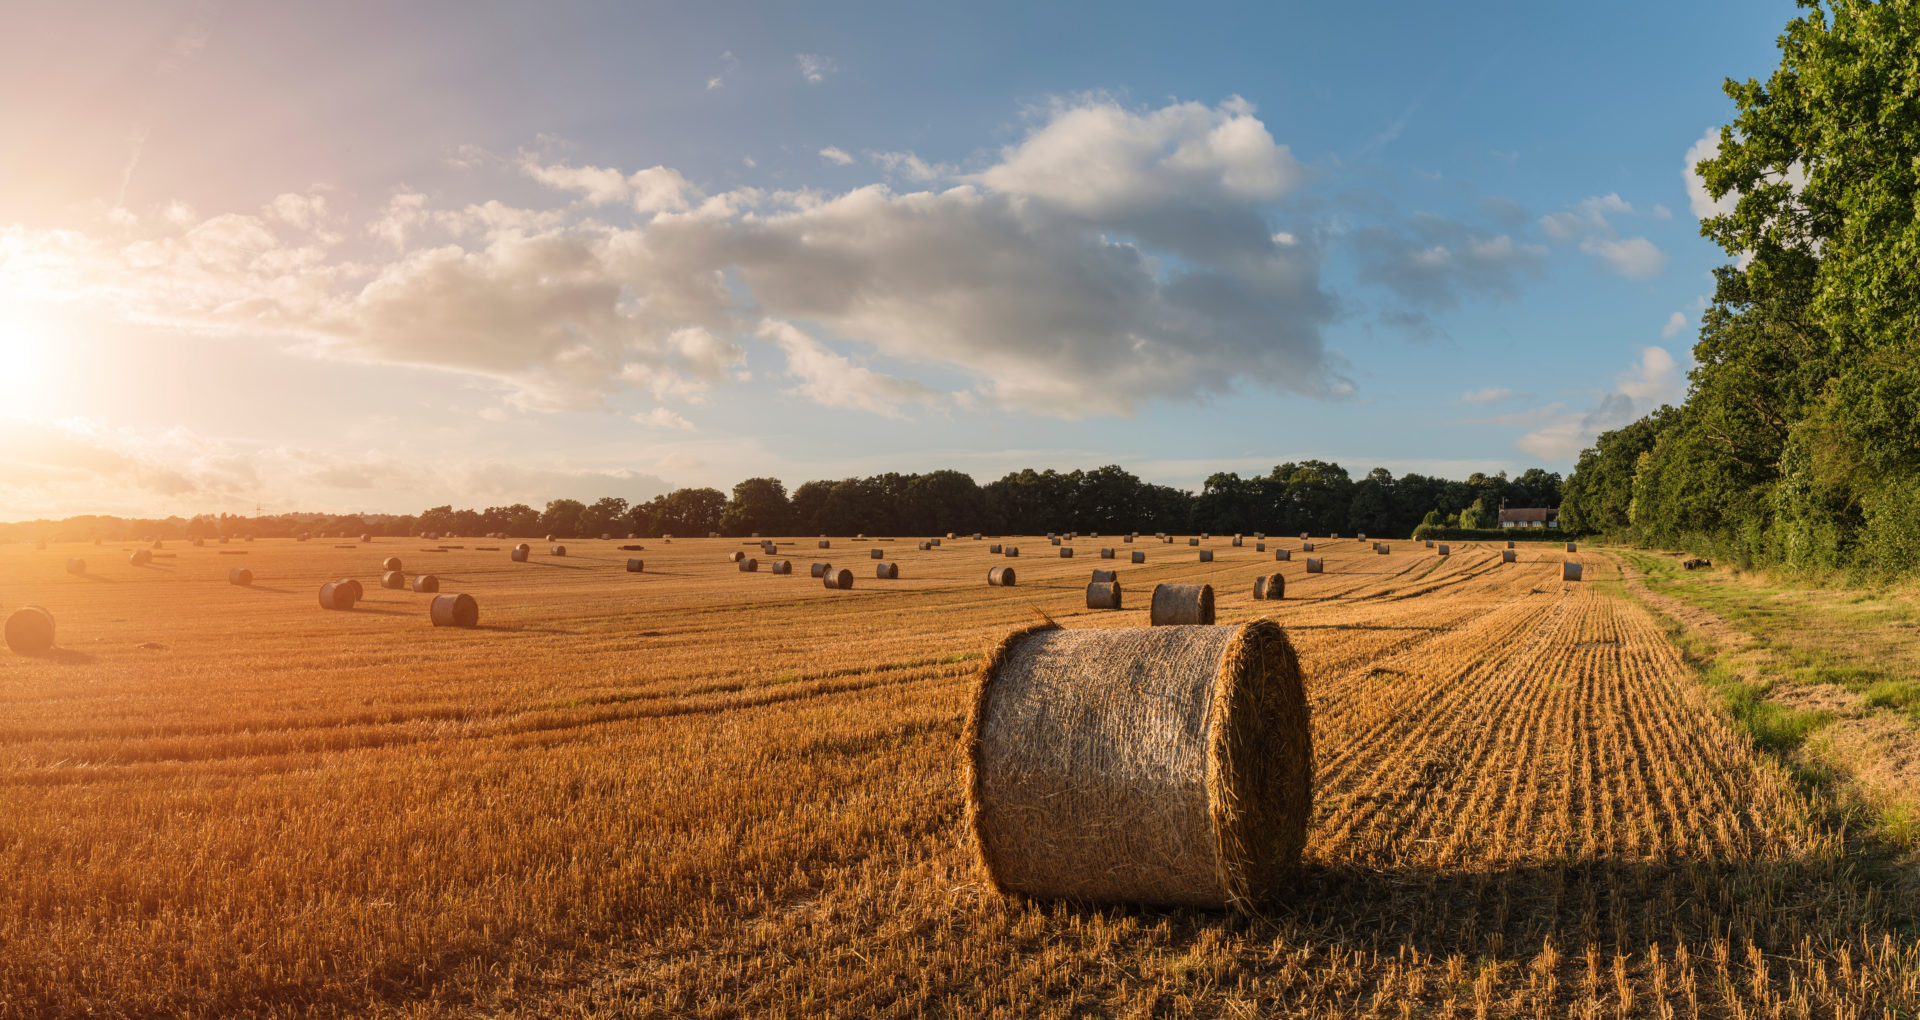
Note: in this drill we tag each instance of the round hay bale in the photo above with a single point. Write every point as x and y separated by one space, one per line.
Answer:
1103 595
1128 539
199 543
935 542
1508 556
1106 554
1306 547
366 538
1572 547
1182 605
558 550
1053 541
1314 566
887 571
140 557
393 580
1569 571
337 596
1001 577
1304 536
1444 549
549 537
29 630
1272 587
820 569
1362 536
1282 555
1166 767
521 552
454 611
976 536
1106 575
781 566
838 580
158 544
354 587
1206 535
1509 544
951 535
1260 547
824 544
926 546
749 566
1066 552
876 554
426 584
994 549
1206 555
1193 541
736 556
636 566
1333 536
1138 557
240 577
1430 544
1013 550
390 563
1382 548
1236 541
76 565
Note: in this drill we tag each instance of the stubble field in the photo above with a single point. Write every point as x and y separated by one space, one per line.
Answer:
696 791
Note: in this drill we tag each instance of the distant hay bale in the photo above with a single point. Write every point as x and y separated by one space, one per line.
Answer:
1306 547
994 549
390 563
1382 548
1236 541
1444 550
1205 535
1066 552
1206 555
1304 536
1509 543
951 535
754 535
1053 541
736 556
240 577
1167 767
824 544
1193 541
1508 556
1283 555
337 596
926 546
749 566
29 630
366 538
393 580
1106 554
426 584
1260 547
1430 544
1569 571
1272 587
549 537
223 540
1138 557
976 536
887 571
140 557
354 587
1127 539
713 534
1001 577
558 550
838 580
158 544
76 566
1363 536
935 542
1103 595
781 566
199 543
521 552
1572 547
1314 566
1333 536
1012 551
454 611
876 554
1182 605
1106 575
820 569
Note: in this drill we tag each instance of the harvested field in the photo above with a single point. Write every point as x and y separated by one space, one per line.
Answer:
220 800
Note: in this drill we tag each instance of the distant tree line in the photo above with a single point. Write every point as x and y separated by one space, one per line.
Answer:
1799 441
1313 495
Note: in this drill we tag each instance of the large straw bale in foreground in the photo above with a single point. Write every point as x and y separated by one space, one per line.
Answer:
1165 765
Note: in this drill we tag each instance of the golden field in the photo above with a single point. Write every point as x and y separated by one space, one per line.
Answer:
701 792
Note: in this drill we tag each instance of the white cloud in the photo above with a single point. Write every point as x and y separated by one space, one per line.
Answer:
1633 257
653 190
662 418
715 82
1699 199
1491 395
1432 262
911 166
833 380
814 67
1587 217
1654 380
1675 323
835 154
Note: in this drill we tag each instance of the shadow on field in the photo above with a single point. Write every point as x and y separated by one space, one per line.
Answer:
97 577
63 656
269 589
556 566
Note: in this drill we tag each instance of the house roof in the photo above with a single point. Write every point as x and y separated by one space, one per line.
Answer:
1526 514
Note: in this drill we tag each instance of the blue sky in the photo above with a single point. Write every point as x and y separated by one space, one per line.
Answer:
356 257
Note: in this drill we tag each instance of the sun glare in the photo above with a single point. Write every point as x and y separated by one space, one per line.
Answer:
29 342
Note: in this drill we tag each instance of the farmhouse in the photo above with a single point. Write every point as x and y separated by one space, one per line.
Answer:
1529 517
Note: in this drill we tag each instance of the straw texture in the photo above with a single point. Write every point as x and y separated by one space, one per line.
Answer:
1168 766
820 569
1182 605
1272 586
749 566
454 611
1106 554
1508 556
1106 575
1314 566
887 571
839 580
1138 557
1001 577
1206 555
779 566
1103 595
1283 555
1569 571
1066 552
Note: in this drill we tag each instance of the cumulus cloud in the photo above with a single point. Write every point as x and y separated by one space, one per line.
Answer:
1633 257
912 167
1699 199
835 154
1589 224
1589 216
1675 323
833 380
1112 256
1433 262
662 418
1559 435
